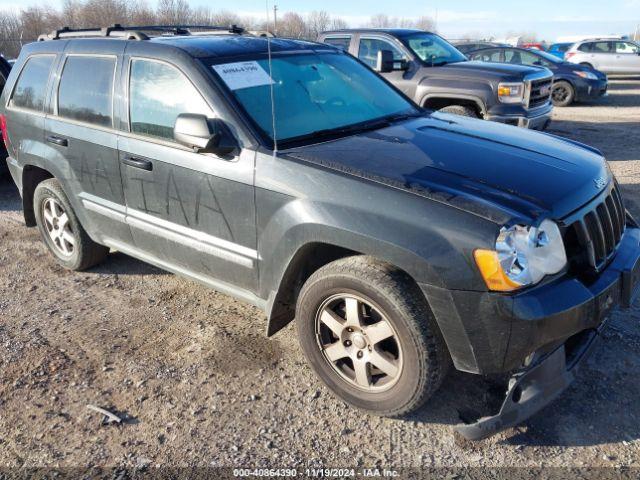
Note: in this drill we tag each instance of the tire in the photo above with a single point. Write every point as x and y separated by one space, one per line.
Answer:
68 241
460 110
562 94
385 294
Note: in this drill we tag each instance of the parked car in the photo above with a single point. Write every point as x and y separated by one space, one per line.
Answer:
400 240
433 73
608 56
571 83
533 46
467 47
559 49
5 69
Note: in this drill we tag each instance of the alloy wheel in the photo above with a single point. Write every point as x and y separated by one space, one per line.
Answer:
560 94
359 342
58 227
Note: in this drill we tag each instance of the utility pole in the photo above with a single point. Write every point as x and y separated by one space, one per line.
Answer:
275 20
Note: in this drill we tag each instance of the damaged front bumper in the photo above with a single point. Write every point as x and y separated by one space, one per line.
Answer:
554 367
532 389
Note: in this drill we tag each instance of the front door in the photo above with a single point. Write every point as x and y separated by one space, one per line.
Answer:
368 48
191 212
627 57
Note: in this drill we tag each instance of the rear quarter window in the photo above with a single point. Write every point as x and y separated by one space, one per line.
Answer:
31 87
586 47
88 102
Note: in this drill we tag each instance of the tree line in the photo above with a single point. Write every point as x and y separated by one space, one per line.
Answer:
27 24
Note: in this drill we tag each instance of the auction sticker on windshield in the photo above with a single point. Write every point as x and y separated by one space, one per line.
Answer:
243 75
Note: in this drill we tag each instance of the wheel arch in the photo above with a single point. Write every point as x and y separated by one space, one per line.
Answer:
32 176
322 250
436 102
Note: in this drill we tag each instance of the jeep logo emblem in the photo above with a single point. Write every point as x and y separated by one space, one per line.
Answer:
600 182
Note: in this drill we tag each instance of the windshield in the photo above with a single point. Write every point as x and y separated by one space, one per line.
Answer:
433 49
314 94
549 57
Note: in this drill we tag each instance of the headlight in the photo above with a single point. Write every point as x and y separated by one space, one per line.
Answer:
522 256
511 92
587 75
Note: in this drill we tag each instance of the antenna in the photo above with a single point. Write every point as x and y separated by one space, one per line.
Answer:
273 102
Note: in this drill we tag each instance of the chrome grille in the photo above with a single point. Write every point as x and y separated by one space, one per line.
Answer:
592 240
540 92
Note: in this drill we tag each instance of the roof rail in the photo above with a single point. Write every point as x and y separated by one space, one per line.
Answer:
138 32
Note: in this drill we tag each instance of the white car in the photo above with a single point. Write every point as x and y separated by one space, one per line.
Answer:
608 56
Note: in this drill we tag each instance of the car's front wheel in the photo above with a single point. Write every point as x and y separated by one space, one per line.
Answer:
61 231
461 110
369 335
563 94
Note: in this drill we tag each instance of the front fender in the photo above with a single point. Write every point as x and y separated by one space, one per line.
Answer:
479 92
434 247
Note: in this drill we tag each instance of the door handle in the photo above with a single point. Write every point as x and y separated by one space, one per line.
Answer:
138 163
61 142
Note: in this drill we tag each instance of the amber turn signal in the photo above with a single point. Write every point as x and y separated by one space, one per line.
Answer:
495 278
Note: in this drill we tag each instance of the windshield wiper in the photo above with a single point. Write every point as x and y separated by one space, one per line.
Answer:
338 131
402 116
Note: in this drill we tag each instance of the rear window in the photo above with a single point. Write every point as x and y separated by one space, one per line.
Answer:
586 47
340 42
31 86
87 102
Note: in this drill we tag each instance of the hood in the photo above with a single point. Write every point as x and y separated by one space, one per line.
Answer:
498 71
496 171
575 67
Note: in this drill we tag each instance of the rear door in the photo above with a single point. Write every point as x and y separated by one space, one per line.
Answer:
190 212
82 141
627 57
602 56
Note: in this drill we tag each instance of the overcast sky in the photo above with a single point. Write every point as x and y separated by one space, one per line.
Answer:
548 18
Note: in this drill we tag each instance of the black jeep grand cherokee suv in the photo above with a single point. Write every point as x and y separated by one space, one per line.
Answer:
401 241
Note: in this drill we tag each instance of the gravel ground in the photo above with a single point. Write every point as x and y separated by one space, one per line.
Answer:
199 385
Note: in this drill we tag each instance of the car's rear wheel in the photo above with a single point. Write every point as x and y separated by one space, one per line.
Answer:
61 230
461 110
369 335
563 94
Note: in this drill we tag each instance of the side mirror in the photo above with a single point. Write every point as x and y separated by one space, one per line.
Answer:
385 61
204 135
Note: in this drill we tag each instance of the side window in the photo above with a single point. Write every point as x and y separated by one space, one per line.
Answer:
340 42
602 47
486 56
625 47
532 59
158 93
90 105
30 91
369 48
495 56
513 56
586 47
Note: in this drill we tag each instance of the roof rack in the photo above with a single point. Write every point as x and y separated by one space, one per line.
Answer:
139 32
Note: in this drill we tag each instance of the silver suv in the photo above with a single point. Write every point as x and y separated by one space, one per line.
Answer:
608 56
